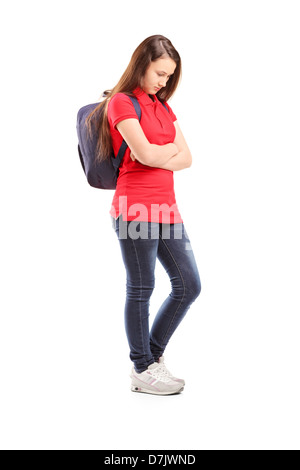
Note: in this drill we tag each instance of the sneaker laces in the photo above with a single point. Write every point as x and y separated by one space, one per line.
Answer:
168 373
161 373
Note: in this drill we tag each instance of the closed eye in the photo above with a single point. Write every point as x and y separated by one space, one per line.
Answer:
163 74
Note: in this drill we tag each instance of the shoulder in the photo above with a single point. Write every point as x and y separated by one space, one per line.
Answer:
119 98
120 103
120 107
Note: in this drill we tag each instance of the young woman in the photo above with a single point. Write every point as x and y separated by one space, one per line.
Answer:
144 212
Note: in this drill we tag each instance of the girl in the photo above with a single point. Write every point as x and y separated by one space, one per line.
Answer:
144 212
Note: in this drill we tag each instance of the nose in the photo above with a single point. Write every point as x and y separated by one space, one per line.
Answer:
162 83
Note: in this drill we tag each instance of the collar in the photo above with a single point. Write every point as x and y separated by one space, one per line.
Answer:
144 98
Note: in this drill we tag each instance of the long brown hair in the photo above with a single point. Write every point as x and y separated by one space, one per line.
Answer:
150 50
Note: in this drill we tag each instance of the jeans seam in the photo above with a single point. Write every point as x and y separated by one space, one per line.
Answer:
141 296
184 289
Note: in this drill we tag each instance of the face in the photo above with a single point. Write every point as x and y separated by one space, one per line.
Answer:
157 75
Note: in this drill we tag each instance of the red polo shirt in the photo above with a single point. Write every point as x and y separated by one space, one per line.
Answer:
143 193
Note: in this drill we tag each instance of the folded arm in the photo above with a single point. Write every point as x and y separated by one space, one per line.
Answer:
183 159
173 156
146 153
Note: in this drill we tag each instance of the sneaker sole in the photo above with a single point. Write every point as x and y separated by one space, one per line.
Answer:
134 388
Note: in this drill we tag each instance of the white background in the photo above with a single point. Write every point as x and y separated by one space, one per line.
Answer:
64 358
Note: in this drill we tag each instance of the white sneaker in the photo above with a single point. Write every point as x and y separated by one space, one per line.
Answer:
161 361
154 380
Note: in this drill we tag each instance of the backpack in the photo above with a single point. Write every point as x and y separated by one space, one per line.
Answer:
104 174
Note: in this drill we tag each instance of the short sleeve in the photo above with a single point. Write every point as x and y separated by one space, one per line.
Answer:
120 107
173 117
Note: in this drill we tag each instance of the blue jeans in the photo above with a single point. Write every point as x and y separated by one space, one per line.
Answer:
141 243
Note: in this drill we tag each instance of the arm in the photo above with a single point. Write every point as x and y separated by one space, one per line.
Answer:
183 159
146 153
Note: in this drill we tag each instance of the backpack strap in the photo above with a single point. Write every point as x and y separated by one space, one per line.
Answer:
164 105
122 150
